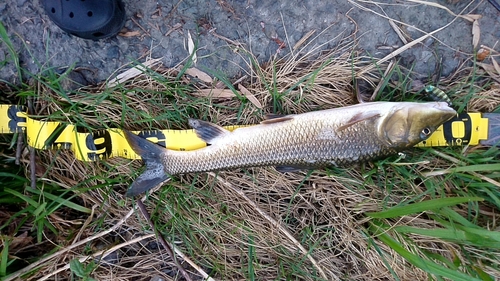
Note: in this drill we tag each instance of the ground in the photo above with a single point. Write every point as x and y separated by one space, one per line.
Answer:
159 29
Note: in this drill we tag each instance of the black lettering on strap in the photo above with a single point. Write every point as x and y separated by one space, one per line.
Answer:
448 130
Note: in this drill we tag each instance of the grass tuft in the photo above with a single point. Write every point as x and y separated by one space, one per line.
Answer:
428 214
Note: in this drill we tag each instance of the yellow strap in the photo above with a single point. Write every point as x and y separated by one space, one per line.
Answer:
466 129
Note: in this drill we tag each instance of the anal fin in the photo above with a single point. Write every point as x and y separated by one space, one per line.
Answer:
153 176
293 168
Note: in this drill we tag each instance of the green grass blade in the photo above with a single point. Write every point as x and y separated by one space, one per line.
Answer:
455 217
4 256
426 265
251 257
479 238
432 204
12 51
40 209
23 197
77 268
484 276
371 243
477 168
62 201
483 233
16 177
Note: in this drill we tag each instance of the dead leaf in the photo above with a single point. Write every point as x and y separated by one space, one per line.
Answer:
475 33
130 33
191 49
472 17
495 65
20 241
195 72
133 72
220 85
249 96
226 93
490 69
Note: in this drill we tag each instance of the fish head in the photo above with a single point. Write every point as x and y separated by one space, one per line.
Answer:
409 123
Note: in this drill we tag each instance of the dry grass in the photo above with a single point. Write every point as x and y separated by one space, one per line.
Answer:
310 224
253 223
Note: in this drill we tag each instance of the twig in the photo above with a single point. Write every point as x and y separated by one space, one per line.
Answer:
398 32
390 67
409 45
174 9
303 39
240 79
140 26
86 223
277 225
162 240
436 5
286 37
32 151
102 254
235 43
19 147
30 267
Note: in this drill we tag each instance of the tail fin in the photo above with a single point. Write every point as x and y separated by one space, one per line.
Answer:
151 155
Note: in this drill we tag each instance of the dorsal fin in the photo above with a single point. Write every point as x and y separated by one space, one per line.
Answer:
276 118
207 131
359 117
273 116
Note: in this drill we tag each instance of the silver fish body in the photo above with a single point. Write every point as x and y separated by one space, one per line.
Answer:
333 137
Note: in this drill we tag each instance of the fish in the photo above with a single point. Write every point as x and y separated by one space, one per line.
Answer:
333 137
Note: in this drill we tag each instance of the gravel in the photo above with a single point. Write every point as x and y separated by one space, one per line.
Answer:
160 28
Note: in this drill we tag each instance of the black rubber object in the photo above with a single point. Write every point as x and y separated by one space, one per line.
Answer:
89 19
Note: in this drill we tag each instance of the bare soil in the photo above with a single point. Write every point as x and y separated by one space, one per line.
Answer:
159 29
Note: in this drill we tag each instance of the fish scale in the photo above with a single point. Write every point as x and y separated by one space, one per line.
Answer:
334 137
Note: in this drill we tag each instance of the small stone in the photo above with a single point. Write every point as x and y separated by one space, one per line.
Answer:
157 278
113 52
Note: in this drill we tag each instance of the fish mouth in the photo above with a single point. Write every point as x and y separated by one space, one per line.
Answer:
445 111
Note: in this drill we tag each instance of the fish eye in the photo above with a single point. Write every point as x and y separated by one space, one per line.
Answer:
426 132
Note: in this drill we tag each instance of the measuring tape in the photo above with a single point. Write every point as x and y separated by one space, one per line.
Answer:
465 129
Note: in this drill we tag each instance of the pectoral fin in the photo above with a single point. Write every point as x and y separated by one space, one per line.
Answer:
207 131
362 116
